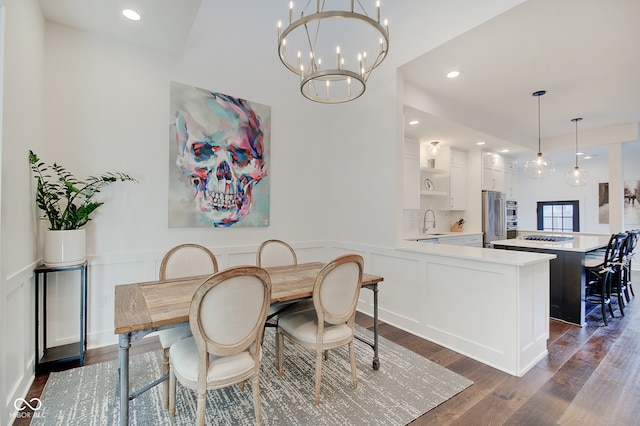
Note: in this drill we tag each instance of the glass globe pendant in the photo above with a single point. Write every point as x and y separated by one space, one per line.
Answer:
539 167
577 176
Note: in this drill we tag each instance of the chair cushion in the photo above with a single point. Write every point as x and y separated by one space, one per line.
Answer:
303 325
184 361
172 335
593 263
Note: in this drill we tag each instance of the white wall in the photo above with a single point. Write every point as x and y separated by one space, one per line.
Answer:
555 189
22 89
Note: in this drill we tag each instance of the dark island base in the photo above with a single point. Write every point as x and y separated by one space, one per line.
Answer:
566 283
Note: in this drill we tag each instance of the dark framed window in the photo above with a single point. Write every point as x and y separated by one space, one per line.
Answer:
559 216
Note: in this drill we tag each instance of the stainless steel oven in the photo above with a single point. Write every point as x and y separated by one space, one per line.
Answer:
512 215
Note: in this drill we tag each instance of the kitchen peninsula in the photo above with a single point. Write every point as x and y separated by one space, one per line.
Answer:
490 305
567 279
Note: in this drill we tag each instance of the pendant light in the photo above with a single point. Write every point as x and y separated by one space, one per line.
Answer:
577 176
540 167
434 148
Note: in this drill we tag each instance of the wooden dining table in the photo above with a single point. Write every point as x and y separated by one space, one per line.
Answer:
146 307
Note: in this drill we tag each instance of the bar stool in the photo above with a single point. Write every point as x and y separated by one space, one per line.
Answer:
629 253
599 275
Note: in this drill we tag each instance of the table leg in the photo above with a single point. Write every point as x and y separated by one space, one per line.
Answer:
376 360
123 373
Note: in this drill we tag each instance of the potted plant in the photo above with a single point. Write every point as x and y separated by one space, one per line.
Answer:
67 204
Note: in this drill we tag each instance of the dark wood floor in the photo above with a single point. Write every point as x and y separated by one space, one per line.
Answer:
591 376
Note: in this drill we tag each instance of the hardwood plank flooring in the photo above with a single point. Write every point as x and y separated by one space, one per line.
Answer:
591 376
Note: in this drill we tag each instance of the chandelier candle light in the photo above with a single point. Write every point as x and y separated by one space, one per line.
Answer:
328 77
577 176
539 167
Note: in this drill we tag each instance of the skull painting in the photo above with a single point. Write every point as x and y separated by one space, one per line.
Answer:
220 152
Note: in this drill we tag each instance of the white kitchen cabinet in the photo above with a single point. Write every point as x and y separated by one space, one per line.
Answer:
411 184
492 172
454 181
469 240
458 180
510 177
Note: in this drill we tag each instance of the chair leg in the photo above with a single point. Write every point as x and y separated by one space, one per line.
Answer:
202 407
603 298
354 371
256 398
172 393
319 354
627 283
606 290
280 351
165 384
621 303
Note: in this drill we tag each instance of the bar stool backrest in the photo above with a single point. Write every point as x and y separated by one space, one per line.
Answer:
615 248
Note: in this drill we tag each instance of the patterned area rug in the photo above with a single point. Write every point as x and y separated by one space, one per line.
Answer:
406 386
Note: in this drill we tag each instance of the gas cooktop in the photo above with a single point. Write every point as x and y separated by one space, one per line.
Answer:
552 238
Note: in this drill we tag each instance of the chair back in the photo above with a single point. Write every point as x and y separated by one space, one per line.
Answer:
229 309
336 290
615 248
632 242
188 260
275 253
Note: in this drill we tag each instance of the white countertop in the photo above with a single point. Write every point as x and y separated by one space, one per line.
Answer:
504 257
424 236
579 243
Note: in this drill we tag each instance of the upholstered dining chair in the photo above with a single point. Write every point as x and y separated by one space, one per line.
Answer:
330 323
226 317
183 260
275 253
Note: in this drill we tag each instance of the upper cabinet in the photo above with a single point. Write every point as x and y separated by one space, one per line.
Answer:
411 181
453 181
510 177
499 174
492 172
458 180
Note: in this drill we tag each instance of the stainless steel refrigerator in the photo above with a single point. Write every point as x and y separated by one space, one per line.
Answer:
494 217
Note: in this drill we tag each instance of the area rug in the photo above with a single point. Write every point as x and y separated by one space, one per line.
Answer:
405 387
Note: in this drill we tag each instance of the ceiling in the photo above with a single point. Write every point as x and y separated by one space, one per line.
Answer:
584 53
167 23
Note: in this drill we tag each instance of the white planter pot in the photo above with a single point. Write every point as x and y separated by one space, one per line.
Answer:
64 248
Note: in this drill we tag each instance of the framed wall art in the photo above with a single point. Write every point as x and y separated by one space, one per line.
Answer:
218 159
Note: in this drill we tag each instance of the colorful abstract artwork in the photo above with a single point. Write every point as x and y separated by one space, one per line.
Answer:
218 159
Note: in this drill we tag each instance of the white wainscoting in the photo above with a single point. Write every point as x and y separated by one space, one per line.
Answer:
496 314
491 311
17 329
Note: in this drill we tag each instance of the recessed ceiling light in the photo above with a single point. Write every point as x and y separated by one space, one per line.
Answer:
453 74
588 157
414 122
579 153
131 14
480 143
504 150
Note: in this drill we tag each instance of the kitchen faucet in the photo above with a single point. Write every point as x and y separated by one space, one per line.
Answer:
424 221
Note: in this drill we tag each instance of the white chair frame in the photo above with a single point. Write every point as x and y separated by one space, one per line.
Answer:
212 321
328 313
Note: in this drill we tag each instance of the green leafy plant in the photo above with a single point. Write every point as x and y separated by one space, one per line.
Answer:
66 201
